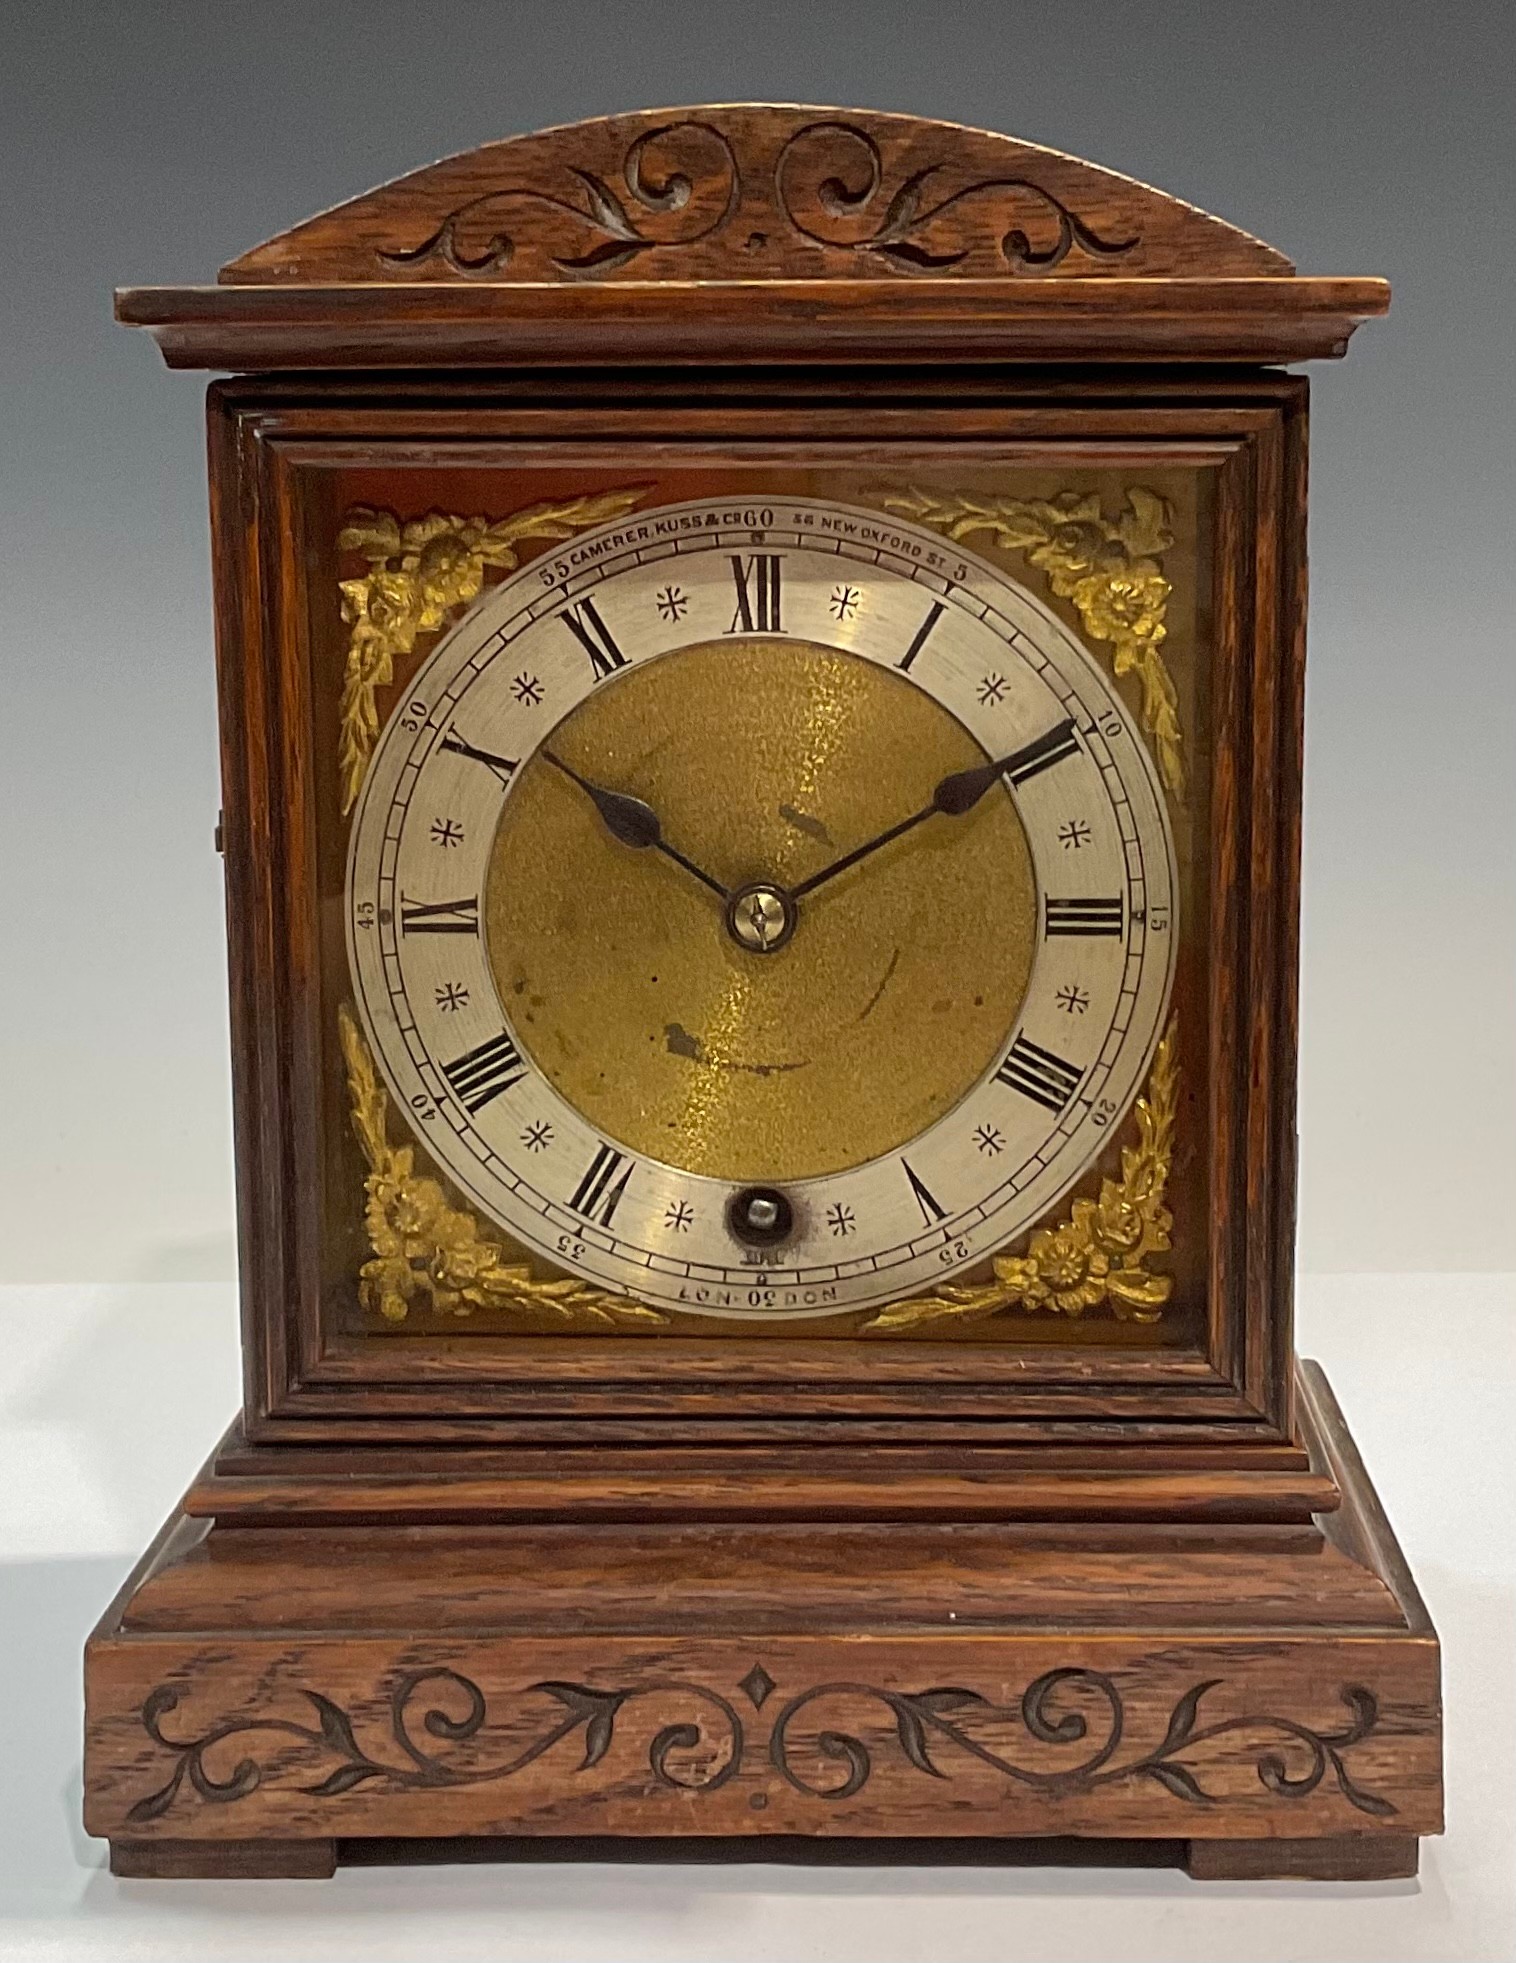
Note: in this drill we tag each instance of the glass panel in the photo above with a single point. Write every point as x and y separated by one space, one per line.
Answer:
683 978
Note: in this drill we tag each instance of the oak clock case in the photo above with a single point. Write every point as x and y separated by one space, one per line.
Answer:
760 654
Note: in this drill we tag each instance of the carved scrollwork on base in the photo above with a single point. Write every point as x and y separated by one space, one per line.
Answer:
435 1715
455 1722
927 1720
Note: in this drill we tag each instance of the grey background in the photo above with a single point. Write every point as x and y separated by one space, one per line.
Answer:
147 143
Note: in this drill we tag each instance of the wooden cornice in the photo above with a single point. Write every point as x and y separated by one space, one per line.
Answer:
754 233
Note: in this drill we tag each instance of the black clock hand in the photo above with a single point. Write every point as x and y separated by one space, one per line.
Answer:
861 852
955 796
633 822
959 793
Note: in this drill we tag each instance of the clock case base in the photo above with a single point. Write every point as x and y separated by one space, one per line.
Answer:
275 1691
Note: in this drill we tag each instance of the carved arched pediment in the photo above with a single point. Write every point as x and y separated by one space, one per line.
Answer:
756 192
748 233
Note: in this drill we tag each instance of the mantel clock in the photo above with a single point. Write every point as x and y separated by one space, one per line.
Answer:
760 656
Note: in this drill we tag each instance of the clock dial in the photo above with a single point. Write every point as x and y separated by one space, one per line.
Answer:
764 910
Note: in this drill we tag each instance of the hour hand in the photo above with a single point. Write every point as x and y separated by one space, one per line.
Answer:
636 824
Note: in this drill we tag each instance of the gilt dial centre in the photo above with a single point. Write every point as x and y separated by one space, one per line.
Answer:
707 1033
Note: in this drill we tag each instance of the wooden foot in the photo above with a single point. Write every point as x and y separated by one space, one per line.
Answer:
224 1860
1348 1857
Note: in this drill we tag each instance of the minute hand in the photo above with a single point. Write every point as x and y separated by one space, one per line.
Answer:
955 796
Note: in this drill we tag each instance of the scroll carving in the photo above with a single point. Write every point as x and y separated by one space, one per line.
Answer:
828 177
1052 1711
902 233
473 240
454 1713
436 1715
426 1251
752 192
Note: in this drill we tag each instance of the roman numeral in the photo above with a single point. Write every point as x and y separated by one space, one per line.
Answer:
483 1073
504 767
1038 1074
1052 747
933 615
598 1193
439 916
1083 916
757 581
594 637
931 1209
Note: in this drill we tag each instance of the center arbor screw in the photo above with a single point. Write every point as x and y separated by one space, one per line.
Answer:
761 917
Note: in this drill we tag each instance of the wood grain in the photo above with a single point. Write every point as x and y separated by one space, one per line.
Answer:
658 1735
440 327
757 192
744 1580
544 1587
223 1860
669 1485
1348 1857
285 446
1227 1683
748 233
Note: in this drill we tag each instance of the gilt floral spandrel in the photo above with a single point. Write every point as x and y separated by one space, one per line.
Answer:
422 572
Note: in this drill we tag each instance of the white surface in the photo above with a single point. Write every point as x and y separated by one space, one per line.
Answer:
112 1396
